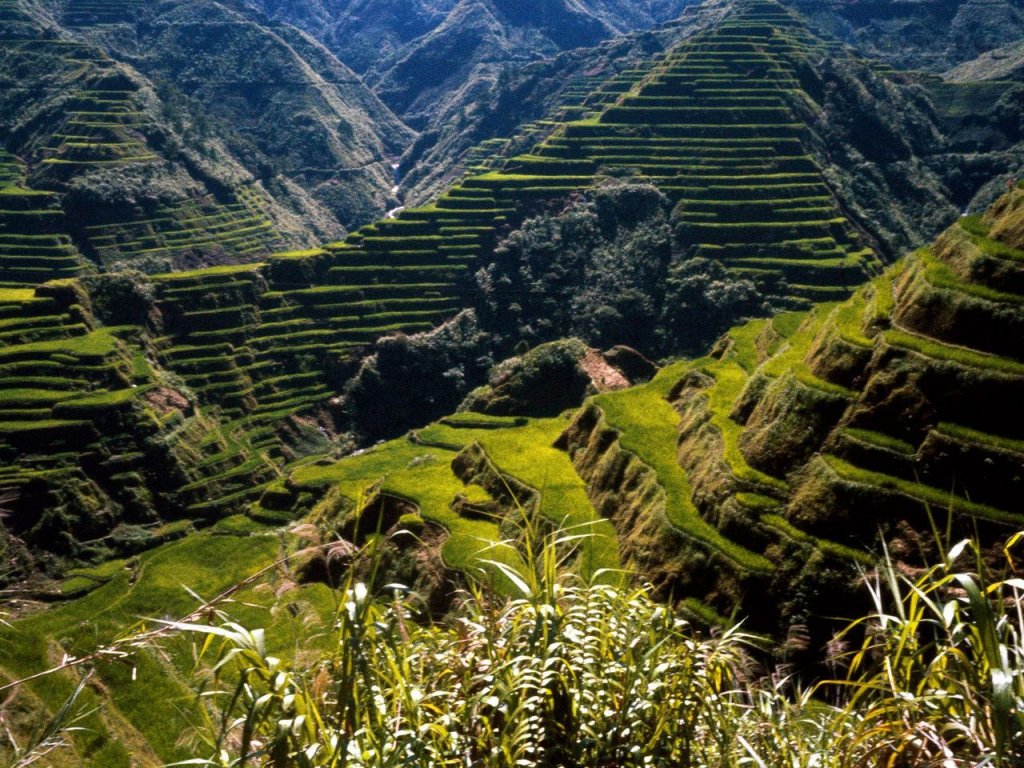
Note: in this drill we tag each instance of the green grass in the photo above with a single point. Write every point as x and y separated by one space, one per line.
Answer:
96 344
154 708
526 453
790 531
981 438
646 424
483 421
881 440
423 475
933 497
941 275
730 379
952 354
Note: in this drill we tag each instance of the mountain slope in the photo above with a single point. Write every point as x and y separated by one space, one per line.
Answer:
474 42
919 35
173 170
289 98
1006 63
803 438
363 33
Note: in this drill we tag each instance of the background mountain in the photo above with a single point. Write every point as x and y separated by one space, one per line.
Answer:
1006 63
365 34
930 34
128 115
359 32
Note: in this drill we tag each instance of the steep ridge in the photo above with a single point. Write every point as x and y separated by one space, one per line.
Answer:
918 35
473 42
365 34
800 440
161 163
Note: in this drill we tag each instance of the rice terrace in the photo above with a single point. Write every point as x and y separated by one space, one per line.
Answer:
557 383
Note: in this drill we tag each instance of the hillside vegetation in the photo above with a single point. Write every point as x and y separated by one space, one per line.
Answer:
260 435
713 134
919 35
162 162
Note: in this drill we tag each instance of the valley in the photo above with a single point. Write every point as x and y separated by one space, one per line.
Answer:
729 293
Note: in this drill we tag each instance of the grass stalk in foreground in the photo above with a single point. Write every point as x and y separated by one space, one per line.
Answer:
575 674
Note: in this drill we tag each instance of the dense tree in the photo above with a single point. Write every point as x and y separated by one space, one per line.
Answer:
607 269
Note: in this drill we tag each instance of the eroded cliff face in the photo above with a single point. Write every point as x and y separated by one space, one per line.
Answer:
808 440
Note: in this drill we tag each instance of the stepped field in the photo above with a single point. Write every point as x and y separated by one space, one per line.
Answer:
103 123
712 124
749 482
789 449
101 453
109 130
34 244
239 229
459 477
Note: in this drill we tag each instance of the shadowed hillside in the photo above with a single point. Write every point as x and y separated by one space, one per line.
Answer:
162 162
932 35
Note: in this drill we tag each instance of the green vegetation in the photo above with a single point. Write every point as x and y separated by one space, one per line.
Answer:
420 469
34 245
590 675
204 225
145 705
646 424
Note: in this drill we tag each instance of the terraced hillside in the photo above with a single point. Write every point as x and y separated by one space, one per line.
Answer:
749 477
120 108
104 123
101 452
749 480
85 13
198 229
718 133
440 496
34 244
714 125
265 340
474 476
93 141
